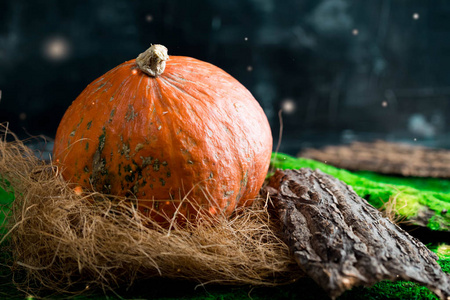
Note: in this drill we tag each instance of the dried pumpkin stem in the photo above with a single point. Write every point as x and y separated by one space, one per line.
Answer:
153 60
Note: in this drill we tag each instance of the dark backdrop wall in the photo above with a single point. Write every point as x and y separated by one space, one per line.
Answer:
339 69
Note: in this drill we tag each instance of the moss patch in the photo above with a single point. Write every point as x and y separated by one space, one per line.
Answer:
413 196
6 199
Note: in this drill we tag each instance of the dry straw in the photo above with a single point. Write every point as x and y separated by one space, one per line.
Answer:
62 240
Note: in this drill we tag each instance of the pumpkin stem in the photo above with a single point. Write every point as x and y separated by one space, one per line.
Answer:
153 60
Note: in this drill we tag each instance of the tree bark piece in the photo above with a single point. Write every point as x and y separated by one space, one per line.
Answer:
341 241
385 157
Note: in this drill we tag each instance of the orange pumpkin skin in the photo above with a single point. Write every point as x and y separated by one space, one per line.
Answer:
193 132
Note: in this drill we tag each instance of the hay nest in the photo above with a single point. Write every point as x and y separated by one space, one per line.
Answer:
65 240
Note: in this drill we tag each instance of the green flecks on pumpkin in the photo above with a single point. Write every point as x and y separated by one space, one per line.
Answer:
98 163
100 86
190 162
168 174
86 169
128 169
244 181
156 165
103 170
138 147
164 163
227 205
143 183
163 182
228 194
146 161
119 171
131 114
138 169
101 140
89 124
111 99
125 150
130 177
76 127
87 146
111 115
242 185
135 189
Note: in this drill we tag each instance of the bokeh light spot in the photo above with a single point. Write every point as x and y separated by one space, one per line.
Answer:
288 106
57 49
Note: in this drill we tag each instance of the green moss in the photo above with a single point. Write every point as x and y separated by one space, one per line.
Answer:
412 195
391 290
6 199
443 252
430 184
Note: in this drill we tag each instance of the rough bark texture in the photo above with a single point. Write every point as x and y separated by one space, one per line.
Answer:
387 158
341 241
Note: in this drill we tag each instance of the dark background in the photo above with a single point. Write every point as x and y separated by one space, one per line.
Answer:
342 70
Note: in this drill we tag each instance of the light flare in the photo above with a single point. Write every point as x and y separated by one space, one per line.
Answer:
57 49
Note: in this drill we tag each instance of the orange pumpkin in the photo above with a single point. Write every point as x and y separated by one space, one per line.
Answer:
176 134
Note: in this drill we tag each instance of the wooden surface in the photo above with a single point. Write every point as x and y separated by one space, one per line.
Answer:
385 157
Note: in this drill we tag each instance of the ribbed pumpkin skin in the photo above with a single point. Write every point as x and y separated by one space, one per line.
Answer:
194 131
